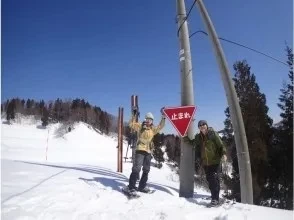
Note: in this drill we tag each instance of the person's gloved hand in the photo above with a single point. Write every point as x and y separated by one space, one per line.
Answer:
186 139
135 110
162 113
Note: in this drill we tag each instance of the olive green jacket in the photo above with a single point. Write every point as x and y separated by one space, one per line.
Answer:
209 147
145 134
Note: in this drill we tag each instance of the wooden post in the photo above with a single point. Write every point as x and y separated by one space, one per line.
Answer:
120 140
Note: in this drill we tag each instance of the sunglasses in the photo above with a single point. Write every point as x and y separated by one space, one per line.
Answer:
201 125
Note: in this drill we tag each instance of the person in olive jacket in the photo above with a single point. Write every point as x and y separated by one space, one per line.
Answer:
211 151
146 132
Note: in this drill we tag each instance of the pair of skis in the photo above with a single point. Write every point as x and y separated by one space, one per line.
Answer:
133 135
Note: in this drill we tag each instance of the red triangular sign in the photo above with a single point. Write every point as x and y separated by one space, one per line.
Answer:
180 117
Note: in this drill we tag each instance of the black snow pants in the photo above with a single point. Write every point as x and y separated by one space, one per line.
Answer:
213 178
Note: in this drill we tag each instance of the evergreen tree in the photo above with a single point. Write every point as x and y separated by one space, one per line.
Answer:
228 137
97 113
28 106
257 126
41 105
10 112
158 153
107 122
169 150
280 187
5 106
286 98
57 110
177 152
232 183
104 122
19 106
23 103
45 117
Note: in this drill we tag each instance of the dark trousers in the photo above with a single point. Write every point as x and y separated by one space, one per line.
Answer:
142 158
212 176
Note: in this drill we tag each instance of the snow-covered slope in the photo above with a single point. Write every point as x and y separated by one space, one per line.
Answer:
78 180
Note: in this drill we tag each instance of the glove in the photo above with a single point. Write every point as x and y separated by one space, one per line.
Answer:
134 110
161 111
189 141
186 139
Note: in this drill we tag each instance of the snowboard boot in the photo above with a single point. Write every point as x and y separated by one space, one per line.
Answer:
214 202
131 192
144 190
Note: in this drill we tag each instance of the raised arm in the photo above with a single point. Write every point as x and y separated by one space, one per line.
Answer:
136 126
160 126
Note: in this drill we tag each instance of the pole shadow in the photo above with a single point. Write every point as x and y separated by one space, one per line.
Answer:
109 178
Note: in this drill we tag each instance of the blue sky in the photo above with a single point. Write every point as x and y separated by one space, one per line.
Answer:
105 51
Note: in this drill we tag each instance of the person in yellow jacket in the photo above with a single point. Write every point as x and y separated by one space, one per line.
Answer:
146 132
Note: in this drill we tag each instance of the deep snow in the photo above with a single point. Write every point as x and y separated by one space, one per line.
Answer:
79 181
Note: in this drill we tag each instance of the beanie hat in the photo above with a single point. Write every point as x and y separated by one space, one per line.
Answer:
149 115
201 122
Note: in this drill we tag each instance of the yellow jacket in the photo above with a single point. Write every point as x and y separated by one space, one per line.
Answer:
146 134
